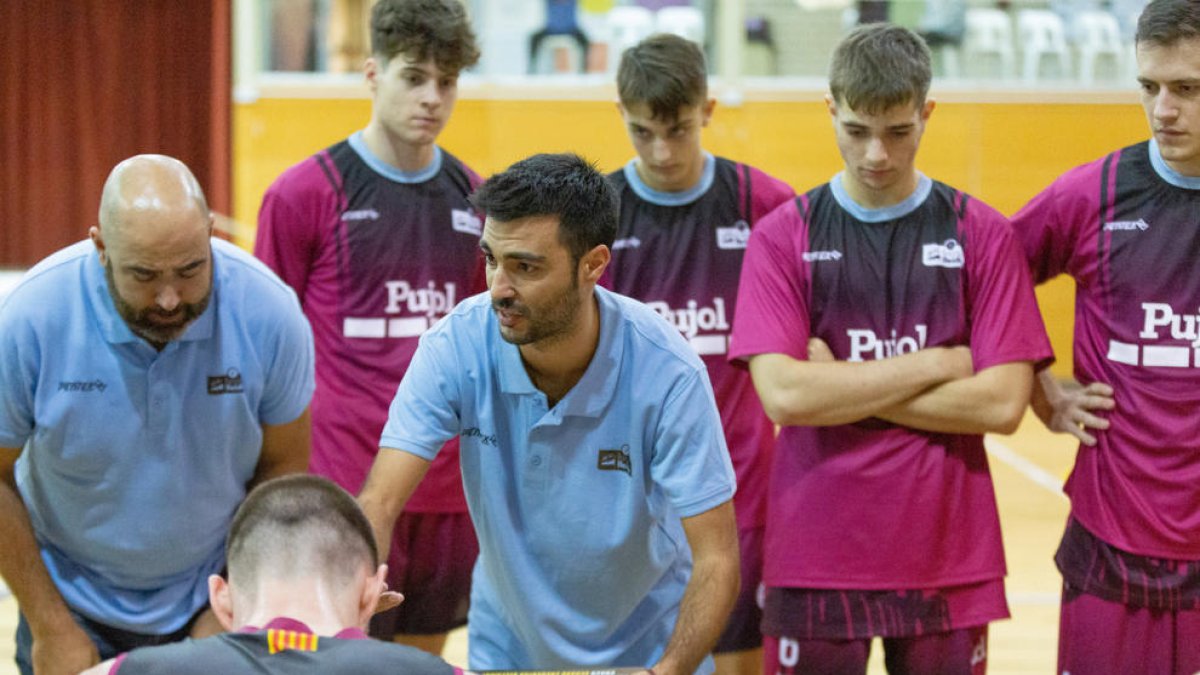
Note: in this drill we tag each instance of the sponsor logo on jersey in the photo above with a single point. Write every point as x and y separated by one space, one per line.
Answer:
421 307
229 383
691 320
946 254
360 214
628 242
734 237
614 459
466 222
1122 225
92 385
866 343
1160 321
430 300
821 256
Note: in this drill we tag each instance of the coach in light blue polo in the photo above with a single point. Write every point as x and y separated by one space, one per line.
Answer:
583 497
139 428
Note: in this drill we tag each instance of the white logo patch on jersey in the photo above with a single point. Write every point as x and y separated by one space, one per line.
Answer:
1156 315
817 256
360 214
947 254
864 342
734 237
466 222
628 242
1139 224
690 320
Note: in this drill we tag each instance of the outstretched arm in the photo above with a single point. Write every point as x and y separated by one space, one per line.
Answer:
710 592
394 476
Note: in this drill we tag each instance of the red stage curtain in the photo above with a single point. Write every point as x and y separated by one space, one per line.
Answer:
87 83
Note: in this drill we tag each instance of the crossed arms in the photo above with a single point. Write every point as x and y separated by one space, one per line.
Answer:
934 389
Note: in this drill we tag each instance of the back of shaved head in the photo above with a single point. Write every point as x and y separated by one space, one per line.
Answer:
148 185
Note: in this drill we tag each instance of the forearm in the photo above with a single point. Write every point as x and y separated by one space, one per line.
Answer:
23 570
810 393
710 593
392 480
991 401
285 449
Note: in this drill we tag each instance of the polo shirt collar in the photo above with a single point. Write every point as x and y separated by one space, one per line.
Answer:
114 328
592 393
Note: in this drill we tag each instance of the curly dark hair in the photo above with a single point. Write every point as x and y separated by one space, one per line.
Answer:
423 29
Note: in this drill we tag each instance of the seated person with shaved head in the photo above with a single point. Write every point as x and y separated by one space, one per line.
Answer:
148 378
302 586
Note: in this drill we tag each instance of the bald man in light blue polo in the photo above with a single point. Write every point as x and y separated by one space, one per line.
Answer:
592 453
148 377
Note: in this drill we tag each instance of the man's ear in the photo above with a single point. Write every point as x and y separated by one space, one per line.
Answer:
221 601
98 242
594 262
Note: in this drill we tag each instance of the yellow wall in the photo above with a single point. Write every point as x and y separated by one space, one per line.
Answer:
1003 153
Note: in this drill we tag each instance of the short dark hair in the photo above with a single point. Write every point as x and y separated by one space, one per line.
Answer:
564 185
1165 22
664 71
423 29
878 66
300 523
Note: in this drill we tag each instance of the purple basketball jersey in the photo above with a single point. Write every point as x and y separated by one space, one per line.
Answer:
684 261
874 505
375 262
1131 239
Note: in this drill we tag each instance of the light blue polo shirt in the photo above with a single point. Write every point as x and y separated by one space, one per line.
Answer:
583 559
134 460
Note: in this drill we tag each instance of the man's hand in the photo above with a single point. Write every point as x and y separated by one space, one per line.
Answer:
66 650
1069 409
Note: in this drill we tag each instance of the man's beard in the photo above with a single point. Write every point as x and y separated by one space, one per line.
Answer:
547 323
168 326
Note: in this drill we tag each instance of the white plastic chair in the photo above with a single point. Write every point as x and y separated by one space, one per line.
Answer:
989 34
1041 34
627 26
1099 37
686 22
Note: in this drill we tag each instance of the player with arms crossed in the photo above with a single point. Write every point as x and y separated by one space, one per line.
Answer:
889 322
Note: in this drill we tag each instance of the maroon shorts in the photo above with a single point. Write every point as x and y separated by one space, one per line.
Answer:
430 562
1101 636
840 615
957 652
744 630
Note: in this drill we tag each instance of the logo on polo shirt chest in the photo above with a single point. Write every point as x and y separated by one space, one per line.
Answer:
229 383
615 459
85 386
